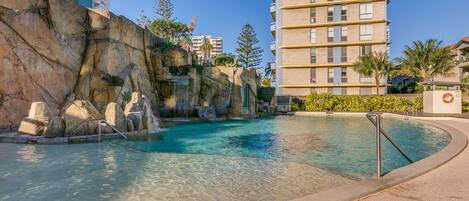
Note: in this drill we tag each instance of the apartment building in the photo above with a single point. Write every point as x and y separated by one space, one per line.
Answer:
99 6
462 56
216 43
317 41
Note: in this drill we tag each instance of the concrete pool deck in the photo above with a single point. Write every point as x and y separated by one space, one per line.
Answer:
437 177
448 182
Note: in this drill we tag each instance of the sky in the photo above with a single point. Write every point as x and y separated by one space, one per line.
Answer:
411 20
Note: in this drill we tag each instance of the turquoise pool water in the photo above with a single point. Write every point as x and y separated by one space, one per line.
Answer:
275 158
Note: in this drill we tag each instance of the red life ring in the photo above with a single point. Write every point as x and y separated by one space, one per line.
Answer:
448 98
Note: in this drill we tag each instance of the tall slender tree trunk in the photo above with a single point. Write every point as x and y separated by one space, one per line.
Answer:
377 84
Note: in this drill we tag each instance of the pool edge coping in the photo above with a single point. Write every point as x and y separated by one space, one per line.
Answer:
458 143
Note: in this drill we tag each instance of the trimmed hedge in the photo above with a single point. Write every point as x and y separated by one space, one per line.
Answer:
329 102
465 107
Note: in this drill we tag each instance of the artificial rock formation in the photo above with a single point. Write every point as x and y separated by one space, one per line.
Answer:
55 128
70 55
81 118
77 62
115 117
36 121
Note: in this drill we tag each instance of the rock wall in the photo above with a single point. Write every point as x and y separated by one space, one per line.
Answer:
58 52
218 87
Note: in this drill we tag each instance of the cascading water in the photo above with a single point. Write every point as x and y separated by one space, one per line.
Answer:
182 105
149 118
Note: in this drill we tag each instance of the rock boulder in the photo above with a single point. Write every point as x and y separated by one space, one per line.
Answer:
39 111
55 128
31 127
115 116
81 118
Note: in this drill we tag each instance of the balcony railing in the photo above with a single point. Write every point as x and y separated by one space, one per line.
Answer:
272 26
366 80
273 8
273 46
463 59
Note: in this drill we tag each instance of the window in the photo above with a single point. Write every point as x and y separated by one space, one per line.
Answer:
330 75
365 49
313 15
365 79
330 54
343 91
366 32
366 91
343 54
312 76
366 11
313 1
313 55
330 14
344 13
339 91
343 75
313 36
344 33
330 34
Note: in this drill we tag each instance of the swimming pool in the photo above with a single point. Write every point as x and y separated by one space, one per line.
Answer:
274 158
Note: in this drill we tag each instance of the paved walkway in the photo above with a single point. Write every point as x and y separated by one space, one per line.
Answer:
446 183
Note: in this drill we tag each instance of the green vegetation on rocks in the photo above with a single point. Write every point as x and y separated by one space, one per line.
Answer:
329 102
465 107
113 80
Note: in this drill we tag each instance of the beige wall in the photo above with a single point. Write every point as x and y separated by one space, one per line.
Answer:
299 58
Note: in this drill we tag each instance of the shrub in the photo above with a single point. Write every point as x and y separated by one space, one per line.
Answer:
465 107
113 80
329 102
294 107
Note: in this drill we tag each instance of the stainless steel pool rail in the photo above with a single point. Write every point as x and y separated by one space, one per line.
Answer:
100 131
375 119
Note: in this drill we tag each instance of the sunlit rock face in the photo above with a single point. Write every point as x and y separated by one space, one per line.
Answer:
58 52
67 57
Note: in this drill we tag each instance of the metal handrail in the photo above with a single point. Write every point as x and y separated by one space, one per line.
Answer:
113 128
379 131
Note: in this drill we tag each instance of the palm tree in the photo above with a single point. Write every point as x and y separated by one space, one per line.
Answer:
425 60
268 72
376 65
206 48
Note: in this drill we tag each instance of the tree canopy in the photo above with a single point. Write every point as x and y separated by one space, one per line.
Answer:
248 54
375 64
164 9
425 60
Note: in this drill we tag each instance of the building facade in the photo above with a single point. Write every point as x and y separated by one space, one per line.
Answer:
317 41
462 57
216 43
99 6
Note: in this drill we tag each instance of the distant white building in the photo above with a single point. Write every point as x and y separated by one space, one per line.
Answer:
99 6
215 41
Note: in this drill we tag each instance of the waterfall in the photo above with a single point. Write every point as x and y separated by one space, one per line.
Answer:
182 98
149 119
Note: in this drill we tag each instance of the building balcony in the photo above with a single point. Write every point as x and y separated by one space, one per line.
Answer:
463 62
273 28
366 80
324 4
273 9
273 47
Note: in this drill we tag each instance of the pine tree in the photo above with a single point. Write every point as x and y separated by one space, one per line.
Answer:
248 54
164 9
143 20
